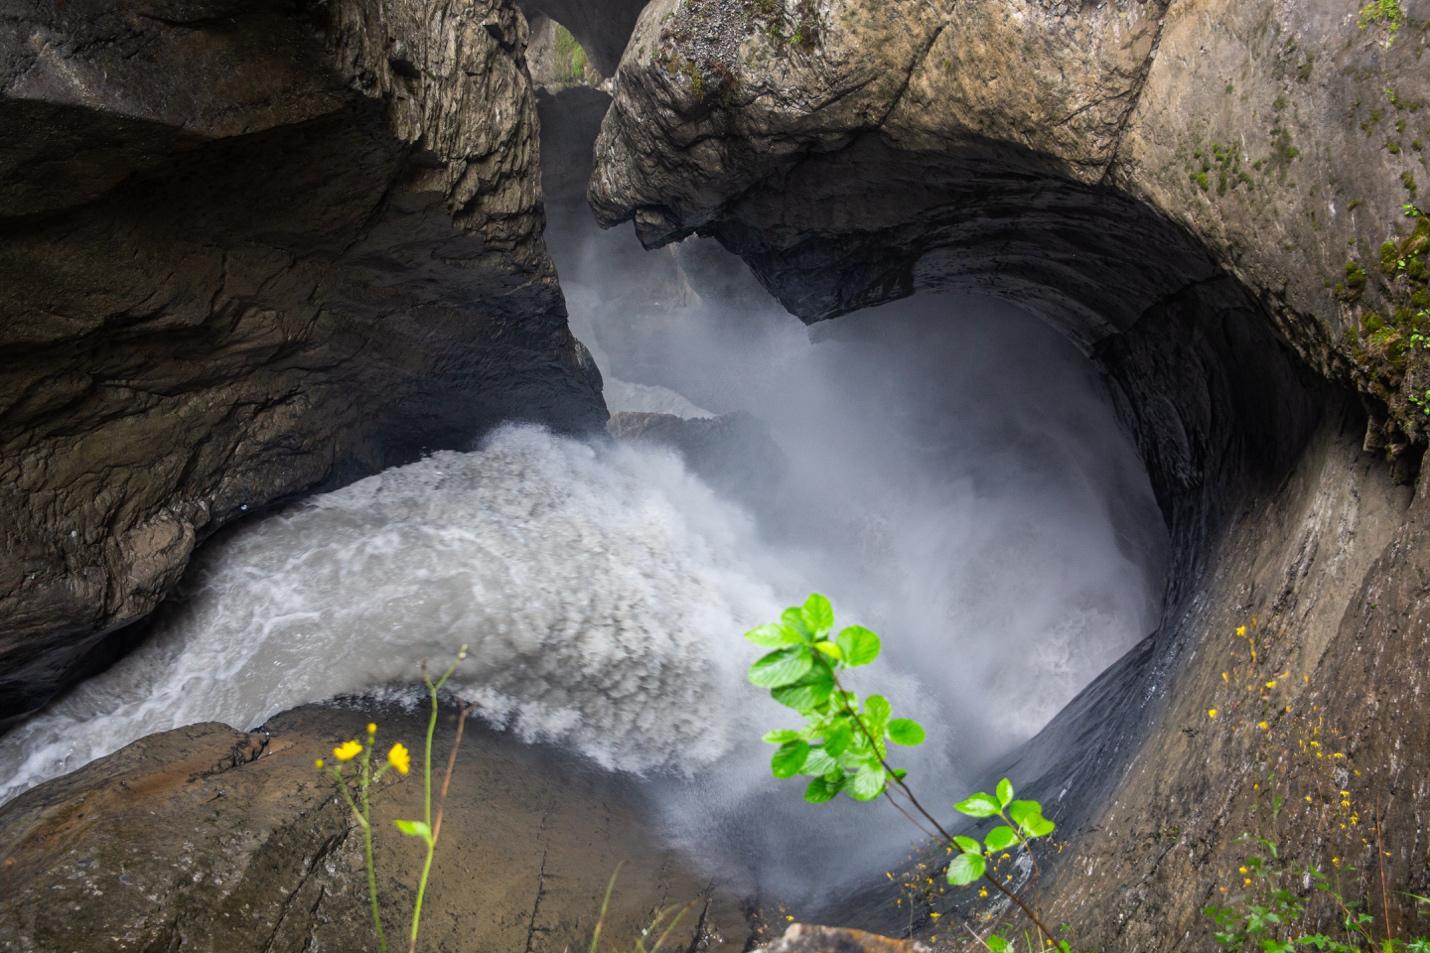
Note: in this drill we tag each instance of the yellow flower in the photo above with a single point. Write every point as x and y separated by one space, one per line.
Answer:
372 727
1241 631
318 764
399 757
1264 726
1242 870
1271 683
1211 712
983 891
935 915
347 751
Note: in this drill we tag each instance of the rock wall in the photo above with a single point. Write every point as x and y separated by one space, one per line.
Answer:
1061 155
1218 202
212 839
247 250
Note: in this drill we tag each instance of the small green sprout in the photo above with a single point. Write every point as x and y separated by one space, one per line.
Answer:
843 747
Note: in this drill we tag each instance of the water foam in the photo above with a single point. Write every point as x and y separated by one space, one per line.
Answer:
595 585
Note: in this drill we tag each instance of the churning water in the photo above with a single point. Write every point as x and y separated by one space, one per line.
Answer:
953 477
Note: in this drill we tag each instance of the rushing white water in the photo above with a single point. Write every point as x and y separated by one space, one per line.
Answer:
954 477
594 586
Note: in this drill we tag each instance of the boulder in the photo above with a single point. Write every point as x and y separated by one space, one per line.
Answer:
210 838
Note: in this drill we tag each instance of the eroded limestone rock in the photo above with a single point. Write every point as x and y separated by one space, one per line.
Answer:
246 251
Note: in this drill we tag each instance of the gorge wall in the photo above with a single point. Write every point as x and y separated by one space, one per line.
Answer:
247 250
1218 202
253 249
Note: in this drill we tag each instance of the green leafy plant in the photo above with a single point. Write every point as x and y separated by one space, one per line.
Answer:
354 774
1387 13
844 747
1262 915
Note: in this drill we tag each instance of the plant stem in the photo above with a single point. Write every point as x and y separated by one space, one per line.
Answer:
436 825
432 831
1380 861
874 746
1027 910
907 816
927 816
365 819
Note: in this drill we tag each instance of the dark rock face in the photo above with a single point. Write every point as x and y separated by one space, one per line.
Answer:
602 28
1181 189
245 251
208 838
1056 155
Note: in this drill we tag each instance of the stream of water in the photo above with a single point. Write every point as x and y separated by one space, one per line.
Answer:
950 472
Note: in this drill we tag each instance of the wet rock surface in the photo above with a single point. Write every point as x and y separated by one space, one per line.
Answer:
210 838
1089 160
601 28
1184 190
248 250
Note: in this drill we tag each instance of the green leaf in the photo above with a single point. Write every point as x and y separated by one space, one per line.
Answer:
867 784
857 759
789 758
967 844
808 693
997 944
830 649
966 868
781 667
876 711
1000 838
780 735
837 739
906 731
978 805
415 829
818 614
794 618
773 636
860 645
1028 815
1004 792
820 790
817 761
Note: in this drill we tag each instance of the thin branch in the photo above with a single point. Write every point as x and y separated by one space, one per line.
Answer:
451 764
874 745
907 816
1027 910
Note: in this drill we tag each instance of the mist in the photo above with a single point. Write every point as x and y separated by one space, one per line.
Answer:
949 472
954 476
